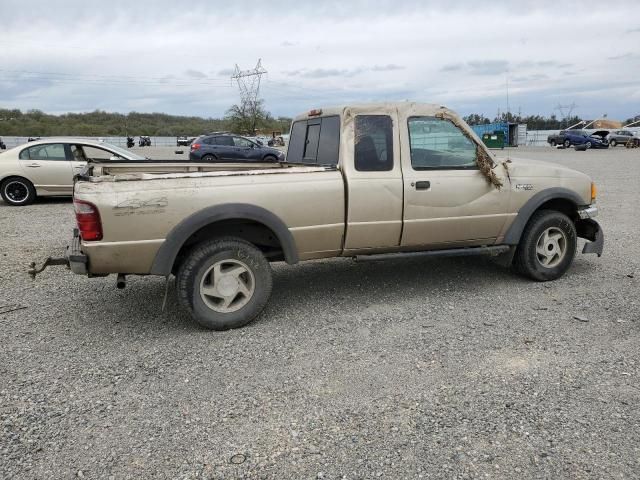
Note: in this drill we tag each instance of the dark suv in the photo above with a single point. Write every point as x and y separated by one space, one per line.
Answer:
231 148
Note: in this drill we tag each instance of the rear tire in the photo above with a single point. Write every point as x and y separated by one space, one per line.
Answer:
209 158
17 191
224 283
547 246
553 143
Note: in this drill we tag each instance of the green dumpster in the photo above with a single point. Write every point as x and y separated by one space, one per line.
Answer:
493 139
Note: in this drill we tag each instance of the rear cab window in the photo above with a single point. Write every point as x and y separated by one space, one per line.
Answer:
49 151
315 141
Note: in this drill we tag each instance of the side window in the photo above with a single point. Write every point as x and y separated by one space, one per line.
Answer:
209 141
225 141
242 142
437 143
52 151
373 143
96 153
315 141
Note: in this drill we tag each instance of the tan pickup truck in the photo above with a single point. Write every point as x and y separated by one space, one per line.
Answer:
364 181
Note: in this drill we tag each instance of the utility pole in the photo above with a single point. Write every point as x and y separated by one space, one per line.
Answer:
249 85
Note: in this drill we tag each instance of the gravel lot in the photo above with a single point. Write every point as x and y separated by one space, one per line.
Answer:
433 368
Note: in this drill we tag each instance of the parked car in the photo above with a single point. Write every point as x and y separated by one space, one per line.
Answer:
622 137
3 146
183 141
231 148
596 139
370 181
559 139
47 167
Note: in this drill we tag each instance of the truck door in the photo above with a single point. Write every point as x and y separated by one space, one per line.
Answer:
447 200
371 161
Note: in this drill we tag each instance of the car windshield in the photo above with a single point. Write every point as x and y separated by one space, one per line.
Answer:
121 152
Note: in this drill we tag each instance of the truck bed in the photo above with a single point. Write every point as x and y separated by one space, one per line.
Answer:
111 171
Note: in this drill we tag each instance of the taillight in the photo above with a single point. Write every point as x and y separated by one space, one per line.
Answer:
195 146
88 220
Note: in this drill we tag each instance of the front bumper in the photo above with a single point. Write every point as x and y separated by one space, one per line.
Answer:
590 230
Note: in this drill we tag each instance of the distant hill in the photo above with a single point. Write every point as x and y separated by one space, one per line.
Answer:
36 123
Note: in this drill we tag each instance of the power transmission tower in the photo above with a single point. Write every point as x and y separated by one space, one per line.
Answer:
249 85
566 110
249 82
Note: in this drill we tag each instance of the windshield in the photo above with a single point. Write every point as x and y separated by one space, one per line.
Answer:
122 152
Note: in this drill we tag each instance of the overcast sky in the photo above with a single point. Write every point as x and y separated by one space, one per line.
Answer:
177 57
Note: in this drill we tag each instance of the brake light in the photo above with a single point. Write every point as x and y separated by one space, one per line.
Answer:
195 146
315 112
88 220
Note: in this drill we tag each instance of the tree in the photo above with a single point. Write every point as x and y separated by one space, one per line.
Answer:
476 119
247 117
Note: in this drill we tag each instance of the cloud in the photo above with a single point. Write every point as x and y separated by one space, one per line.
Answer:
624 56
226 72
324 72
195 74
286 43
452 67
488 67
387 68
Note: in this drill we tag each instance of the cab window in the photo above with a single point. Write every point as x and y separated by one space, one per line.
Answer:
51 151
373 143
437 143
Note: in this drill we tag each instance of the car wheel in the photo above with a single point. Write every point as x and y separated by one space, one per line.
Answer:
553 143
588 144
270 159
547 246
209 158
224 283
17 191
567 144
613 143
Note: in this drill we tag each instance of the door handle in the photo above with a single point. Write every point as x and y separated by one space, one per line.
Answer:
423 185
34 165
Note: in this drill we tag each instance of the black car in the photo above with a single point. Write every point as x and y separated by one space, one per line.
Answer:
231 148
183 140
2 145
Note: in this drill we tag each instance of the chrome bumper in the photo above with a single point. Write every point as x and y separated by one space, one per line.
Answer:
588 212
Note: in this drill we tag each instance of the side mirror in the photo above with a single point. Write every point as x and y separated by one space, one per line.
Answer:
115 157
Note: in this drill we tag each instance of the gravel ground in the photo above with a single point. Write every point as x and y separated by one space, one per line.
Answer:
423 368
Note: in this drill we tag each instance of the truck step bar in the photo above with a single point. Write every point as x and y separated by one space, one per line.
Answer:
493 251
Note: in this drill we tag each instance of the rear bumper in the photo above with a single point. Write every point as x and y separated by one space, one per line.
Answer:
78 261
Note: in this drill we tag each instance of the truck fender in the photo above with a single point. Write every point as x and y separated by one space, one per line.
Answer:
512 237
166 256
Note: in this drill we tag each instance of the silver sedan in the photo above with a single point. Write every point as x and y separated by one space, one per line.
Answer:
47 167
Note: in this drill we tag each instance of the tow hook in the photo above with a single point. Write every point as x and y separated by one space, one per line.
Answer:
121 281
34 270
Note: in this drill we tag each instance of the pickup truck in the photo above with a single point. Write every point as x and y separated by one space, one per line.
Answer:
369 181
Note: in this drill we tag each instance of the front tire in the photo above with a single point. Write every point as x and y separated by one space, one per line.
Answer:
547 246
17 191
567 144
224 283
613 143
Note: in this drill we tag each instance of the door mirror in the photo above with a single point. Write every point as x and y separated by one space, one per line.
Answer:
115 157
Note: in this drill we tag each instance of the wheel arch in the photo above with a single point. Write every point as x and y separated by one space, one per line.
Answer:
558 199
219 221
